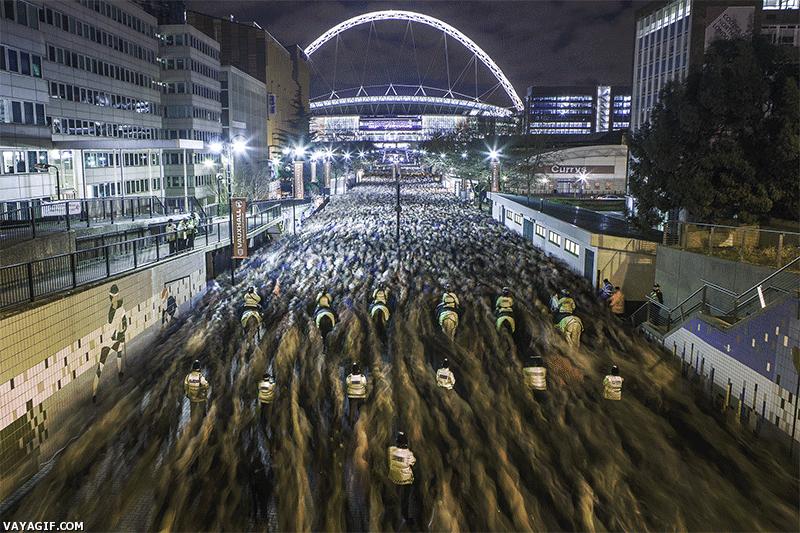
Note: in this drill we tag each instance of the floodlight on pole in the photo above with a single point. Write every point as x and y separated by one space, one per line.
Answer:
215 147
239 145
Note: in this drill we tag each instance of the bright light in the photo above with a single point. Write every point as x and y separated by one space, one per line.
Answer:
316 155
346 156
494 154
361 154
208 163
239 146
463 155
286 150
328 153
215 147
299 151
442 155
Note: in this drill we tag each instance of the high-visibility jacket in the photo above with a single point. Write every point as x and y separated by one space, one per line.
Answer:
504 303
171 229
356 385
182 229
612 387
324 299
266 391
617 303
450 300
400 462
195 386
251 299
445 378
566 305
535 377
380 296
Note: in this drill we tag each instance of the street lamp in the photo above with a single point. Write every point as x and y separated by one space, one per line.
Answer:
46 166
494 157
238 145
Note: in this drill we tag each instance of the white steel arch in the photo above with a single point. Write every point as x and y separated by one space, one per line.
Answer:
393 14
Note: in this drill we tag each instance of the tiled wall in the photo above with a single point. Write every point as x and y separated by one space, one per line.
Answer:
755 356
48 355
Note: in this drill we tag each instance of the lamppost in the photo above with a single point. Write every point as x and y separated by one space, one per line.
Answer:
238 145
46 166
494 157
299 152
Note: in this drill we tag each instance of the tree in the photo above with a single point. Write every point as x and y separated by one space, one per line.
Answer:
725 144
527 164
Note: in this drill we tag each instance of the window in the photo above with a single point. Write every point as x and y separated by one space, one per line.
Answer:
25 63
509 214
555 238
16 112
13 64
36 66
28 107
518 218
572 247
540 231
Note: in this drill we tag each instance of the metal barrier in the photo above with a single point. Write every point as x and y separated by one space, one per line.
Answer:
48 217
27 282
729 306
739 243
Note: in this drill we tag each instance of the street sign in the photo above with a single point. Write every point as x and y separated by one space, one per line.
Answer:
52 209
239 229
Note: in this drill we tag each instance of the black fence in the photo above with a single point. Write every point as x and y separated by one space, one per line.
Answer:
27 282
39 217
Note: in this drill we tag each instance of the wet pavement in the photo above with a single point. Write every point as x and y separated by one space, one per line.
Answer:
490 454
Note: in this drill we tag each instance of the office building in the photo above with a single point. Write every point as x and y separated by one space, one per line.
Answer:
190 83
672 36
571 110
284 72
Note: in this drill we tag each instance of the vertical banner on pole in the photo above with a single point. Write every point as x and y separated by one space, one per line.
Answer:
239 221
299 193
495 176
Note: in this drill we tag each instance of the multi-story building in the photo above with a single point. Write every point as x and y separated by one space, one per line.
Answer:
673 35
78 83
284 72
190 83
576 110
244 119
120 105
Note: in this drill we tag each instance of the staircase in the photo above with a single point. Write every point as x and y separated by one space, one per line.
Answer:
657 321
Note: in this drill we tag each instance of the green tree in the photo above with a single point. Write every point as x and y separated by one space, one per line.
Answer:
724 145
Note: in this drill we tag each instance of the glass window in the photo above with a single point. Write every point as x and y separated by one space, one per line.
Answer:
32 159
19 162
16 112
555 238
8 162
36 66
2 58
13 63
28 106
40 116
8 6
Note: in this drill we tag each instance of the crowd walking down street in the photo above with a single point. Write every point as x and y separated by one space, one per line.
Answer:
497 429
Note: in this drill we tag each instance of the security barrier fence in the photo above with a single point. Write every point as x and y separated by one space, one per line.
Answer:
26 282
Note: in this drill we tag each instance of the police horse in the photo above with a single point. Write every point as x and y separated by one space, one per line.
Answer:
572 327
448 320
251 322
379 313
325 320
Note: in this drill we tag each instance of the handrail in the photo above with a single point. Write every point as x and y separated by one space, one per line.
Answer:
760 283
719 288
706 224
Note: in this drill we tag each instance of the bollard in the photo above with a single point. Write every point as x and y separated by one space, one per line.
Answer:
727 401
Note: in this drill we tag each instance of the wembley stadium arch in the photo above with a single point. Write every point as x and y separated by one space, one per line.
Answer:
408 112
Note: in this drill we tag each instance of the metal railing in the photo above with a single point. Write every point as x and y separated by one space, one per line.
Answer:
27 282
39 218
739 243
720 302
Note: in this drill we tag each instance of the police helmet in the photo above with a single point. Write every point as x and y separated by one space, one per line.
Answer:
506 291
401 440
196 365
615 370
251 289
355 369
564 292
445 363
267 375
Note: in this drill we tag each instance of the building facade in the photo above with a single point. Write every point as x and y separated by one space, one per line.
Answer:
190 83
671 36
284 72
575 110
119 105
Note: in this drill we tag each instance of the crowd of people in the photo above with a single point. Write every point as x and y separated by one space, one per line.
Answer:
509 431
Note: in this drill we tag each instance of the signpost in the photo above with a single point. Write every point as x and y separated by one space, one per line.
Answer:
239 228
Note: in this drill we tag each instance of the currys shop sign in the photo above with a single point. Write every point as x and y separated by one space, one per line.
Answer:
574 169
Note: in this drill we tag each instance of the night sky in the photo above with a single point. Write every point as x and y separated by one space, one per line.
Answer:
533 42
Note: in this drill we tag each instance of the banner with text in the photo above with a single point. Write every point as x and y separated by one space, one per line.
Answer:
298 180
239 230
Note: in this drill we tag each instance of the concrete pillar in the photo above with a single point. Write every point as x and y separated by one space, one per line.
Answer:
80 173
495 176
313 171
161 182
299 193
121 173
327 173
